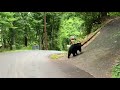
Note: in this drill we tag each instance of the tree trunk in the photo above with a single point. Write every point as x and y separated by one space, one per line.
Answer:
11 48
42 41
103 14
39 41
52 34
11 38
45 32
89 27
25 38
4 43
2 38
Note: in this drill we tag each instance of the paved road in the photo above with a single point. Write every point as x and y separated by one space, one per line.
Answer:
36 64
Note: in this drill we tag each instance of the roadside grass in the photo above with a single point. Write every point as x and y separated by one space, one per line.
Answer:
15 50
11 51
116 70
57 56
26 48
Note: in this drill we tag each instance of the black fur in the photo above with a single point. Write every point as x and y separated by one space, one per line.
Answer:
73 49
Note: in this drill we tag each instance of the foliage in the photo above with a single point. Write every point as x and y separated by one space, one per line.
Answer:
24 29
116 71
114 13
70 26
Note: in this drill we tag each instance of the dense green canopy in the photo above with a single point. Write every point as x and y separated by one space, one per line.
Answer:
25 29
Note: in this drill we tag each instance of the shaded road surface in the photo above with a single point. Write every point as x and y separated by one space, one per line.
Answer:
101 54
36 64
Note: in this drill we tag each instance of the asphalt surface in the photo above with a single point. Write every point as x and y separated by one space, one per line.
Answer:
36 64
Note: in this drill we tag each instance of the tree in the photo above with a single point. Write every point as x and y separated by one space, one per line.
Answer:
7 28
70 26
49 30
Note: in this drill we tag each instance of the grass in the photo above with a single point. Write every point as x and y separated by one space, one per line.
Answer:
57 56
116 71
15 50
26 48
4 50
1 51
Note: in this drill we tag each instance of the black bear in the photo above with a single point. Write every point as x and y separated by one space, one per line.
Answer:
73 49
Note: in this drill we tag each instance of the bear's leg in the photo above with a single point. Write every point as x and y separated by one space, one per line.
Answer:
69 54
74 54
80 50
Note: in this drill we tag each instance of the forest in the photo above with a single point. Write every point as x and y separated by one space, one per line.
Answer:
48 30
